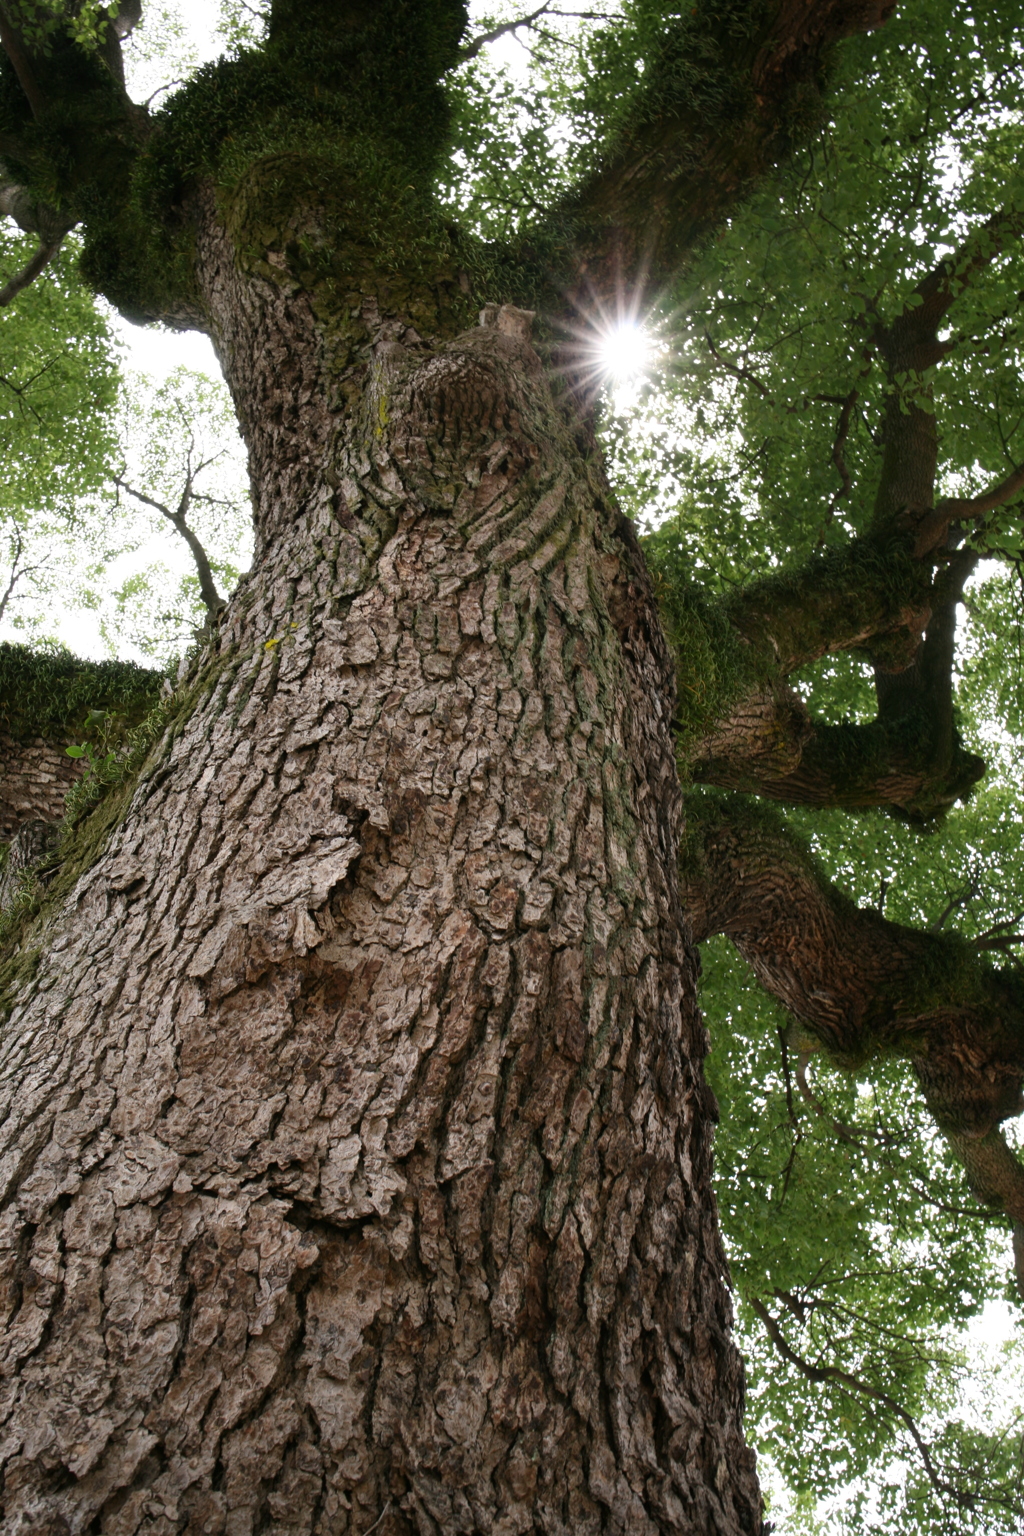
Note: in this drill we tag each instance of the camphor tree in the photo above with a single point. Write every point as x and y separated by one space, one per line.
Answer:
356 1142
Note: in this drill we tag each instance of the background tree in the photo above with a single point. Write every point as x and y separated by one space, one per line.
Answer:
182 474
481 1194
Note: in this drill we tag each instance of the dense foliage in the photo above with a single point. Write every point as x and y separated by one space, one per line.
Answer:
58 386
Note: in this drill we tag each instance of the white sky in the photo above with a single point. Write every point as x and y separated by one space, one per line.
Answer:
154 349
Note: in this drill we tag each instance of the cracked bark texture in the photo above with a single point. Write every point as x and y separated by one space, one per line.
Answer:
356 1151
35 776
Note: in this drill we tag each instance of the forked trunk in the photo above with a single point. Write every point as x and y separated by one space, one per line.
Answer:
356 1147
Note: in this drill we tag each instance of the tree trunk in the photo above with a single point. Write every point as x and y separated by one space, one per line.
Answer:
356 1165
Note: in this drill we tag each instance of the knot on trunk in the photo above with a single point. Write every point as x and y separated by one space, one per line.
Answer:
510 321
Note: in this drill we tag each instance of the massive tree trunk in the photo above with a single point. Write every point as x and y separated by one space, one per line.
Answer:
356 1148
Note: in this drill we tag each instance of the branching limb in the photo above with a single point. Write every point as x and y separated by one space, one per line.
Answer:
178 518
910 346
17 572
759 736
478 44
933 528
28 274
683 159
862 985
912 337
824 1374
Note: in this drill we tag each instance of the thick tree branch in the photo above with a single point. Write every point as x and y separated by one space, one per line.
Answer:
14 47
862 985
911 339
910 346
687 153
795 761
759 736
755 733
933 527
29 272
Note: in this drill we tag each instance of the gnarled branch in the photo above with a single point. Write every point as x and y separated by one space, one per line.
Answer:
862 985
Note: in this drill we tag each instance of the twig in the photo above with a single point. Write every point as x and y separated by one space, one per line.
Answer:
735 369
379 1518
806 1093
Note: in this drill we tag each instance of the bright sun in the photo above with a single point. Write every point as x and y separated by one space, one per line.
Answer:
625 351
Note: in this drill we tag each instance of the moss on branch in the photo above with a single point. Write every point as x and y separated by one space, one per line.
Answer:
740 726
51 694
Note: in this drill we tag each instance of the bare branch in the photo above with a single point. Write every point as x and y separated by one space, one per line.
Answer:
960 899
807 1094
15 572
212 600
478 44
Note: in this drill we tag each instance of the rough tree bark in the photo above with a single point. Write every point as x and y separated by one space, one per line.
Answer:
356 1152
